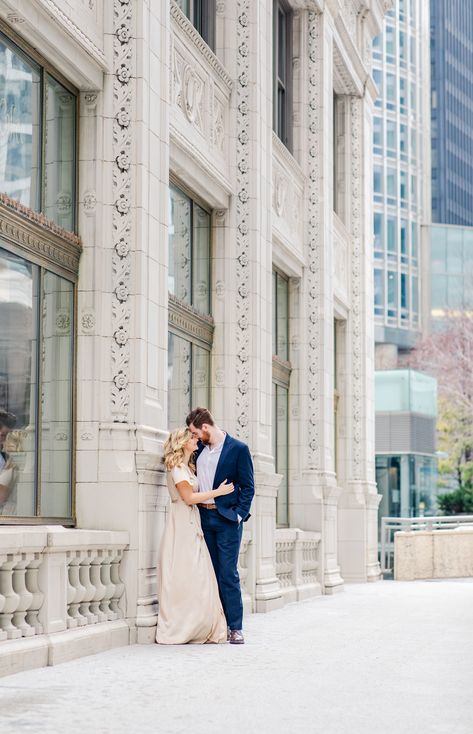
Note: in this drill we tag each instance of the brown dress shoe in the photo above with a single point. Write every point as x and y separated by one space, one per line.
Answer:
236 637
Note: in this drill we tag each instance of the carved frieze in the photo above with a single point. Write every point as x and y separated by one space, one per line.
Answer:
37 237
123 90
288 193
199 91
314 283
243 221
356 279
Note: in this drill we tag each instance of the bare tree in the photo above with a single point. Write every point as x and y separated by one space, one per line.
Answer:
447 354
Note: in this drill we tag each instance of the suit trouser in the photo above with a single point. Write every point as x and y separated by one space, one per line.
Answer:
223 538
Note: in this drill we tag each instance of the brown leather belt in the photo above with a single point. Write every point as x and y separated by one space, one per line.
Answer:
208 506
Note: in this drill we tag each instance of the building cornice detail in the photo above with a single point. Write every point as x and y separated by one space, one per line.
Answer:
38 237
187 320
59 17
194 36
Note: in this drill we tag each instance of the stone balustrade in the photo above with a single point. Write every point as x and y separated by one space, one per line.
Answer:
297 563
55 580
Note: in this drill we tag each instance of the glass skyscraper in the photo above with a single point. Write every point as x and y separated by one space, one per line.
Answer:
451 24
401 174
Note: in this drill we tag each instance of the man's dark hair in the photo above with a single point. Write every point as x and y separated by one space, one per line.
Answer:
7 420
198 417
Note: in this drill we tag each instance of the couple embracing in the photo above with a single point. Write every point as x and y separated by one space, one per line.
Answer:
211 485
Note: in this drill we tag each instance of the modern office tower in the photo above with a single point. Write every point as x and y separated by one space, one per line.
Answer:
451 23
401 175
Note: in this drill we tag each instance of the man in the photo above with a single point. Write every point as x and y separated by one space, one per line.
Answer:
219 457
7 467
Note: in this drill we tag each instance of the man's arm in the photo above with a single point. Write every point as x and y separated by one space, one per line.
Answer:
246 482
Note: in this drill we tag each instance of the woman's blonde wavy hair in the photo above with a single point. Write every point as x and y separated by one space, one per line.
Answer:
174 448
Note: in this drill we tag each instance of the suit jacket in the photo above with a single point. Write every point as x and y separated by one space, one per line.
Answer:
234 465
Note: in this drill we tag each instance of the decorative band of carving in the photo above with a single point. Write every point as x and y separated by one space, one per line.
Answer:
194 36
356 278
243 217
188 322
122 181
314 243
36 236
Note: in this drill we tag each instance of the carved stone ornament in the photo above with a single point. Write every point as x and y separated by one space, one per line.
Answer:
192 93
280 191
33 234
243 218
314 241
123 89
356 278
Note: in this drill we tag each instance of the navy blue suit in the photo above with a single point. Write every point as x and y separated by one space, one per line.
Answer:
222 531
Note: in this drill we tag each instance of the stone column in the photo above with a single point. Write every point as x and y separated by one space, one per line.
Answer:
314 498
359 501
123 299
243 267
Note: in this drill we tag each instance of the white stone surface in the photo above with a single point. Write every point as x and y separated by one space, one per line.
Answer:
384 658
438 555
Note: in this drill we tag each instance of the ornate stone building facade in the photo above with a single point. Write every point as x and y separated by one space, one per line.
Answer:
197 178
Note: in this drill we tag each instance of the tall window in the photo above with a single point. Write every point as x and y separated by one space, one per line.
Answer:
190 322
282 72
38 269
201 13
281 379
37 136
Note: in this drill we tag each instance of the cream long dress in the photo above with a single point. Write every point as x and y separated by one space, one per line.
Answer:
189 604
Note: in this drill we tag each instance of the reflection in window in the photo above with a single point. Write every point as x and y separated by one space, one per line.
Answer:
282 72
20 126
189 251
378 292
281 450
42 409
37 137
280 316
189 343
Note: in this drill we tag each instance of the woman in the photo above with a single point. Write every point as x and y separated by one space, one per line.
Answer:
189 603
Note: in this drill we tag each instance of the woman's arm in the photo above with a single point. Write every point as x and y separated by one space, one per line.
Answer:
194 498
6 481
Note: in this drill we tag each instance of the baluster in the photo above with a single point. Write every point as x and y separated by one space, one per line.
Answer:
12 599
74 578
71 592
32 572
100 588
84 574
109 586
26 597
119 585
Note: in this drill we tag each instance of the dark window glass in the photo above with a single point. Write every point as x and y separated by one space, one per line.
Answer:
282 73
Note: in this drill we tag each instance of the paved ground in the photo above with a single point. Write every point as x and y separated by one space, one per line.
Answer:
384 658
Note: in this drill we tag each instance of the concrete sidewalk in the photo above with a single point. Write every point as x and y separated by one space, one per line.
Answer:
385 658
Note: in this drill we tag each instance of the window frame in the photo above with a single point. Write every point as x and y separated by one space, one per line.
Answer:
285 134
30 54
23 237
281 378
184 321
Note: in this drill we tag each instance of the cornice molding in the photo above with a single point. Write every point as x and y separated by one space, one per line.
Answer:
61 19
184 24
189 322
39 238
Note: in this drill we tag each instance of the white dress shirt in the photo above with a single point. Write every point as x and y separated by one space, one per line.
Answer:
206 468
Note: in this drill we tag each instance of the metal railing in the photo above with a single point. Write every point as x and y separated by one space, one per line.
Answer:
391 525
